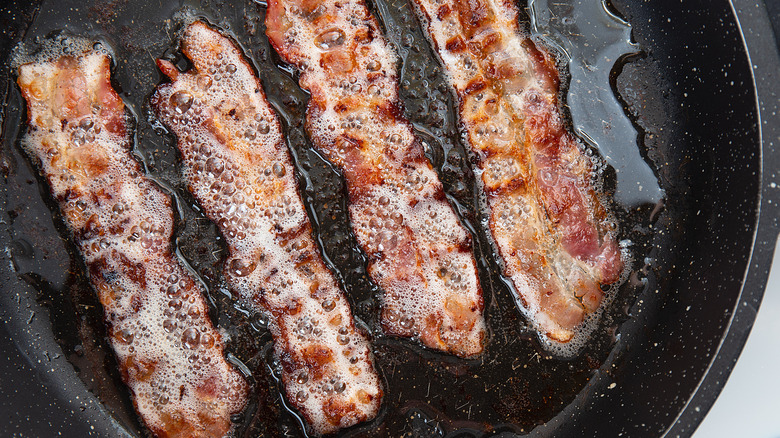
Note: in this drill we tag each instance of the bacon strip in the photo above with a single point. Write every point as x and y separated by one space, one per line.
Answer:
418 252
170 355
556 238
240 170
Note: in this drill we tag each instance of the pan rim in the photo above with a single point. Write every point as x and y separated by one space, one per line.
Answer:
763 53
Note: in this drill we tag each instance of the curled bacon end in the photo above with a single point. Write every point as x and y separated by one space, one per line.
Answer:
169 353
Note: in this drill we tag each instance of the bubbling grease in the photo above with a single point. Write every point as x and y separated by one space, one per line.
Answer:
238 167
170 354
547 221
419 253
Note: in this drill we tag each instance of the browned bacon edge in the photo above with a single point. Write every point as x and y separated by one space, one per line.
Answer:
239 168
419 253
556 238
170 355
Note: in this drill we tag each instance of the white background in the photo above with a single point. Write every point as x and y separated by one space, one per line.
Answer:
749 405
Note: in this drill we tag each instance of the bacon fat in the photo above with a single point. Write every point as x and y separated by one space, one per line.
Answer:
556 239
239 168
169 353
419 253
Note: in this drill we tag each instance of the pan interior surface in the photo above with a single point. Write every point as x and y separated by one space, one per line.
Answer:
691 97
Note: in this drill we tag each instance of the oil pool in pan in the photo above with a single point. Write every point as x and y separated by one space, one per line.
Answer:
514 386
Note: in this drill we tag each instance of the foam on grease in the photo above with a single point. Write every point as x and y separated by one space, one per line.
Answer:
419 253
170 355
238 167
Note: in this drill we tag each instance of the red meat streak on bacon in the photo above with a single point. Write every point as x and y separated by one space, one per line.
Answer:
169 354
238 167
419 254
555 237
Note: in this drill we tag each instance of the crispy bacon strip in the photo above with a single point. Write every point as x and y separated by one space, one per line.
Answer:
240 170
557 240
170 355
418 252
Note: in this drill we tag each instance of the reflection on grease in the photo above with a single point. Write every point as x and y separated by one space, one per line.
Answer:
593 41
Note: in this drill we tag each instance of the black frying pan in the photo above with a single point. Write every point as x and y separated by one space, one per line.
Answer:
653 368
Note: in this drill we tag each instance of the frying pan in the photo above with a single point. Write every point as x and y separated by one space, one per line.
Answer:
704 96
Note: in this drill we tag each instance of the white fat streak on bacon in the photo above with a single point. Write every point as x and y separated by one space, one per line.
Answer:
419 254
238 167
556 241
170 355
